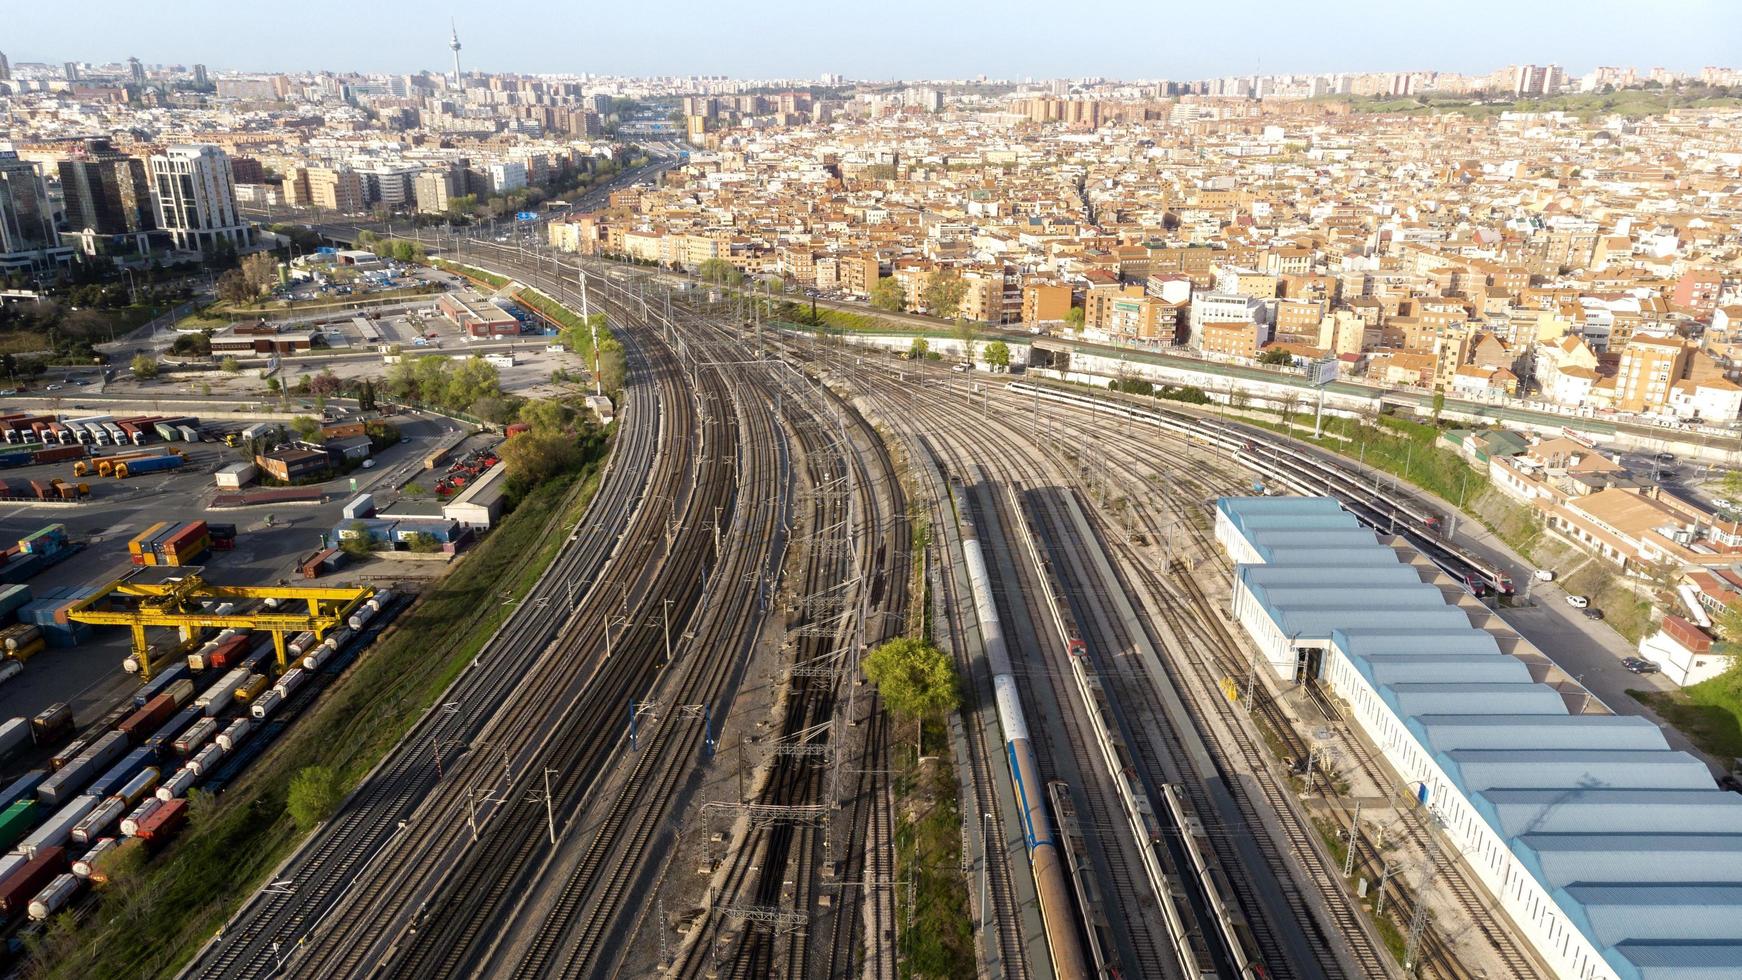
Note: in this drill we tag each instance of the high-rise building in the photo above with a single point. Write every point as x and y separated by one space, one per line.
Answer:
107 197
72 71
434 190
1649 367
27 235
5 68
135 71
196 197
200 76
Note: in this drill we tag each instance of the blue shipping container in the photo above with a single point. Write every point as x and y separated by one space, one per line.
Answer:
153 464
159 684
22 788
118 775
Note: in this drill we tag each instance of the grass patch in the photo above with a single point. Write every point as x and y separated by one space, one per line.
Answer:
939 940
150 926
22 342
1709 713
471 272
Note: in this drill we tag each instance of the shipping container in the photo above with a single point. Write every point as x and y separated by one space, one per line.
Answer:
88 863
173 680
164 822
16 821
265 704
22 788
177 785
152 464
102 817
163 740
141 785
232 736
218 696
235 476
359 507
289 681
54 897
57 829
249 689
138 544
139 814
122 773
206 759
144 721
22 885
46 540
52 722
190 741
15 734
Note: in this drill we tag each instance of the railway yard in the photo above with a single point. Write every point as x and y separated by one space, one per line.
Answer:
666 762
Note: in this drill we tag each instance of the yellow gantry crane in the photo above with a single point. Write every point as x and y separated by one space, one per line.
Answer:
178 605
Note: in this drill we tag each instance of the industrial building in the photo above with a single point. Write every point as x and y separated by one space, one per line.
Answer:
478 317
479 505
1616 855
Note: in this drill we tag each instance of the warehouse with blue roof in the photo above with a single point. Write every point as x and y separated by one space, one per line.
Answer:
1616 855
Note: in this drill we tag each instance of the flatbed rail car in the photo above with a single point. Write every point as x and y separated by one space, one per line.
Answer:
1234 438
1096 930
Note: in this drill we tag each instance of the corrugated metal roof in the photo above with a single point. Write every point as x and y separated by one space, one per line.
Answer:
1479 769
1632 912
1409 700
1512 812
1368 642
1585 802
1444 733
1445 668
1333 556
1562 859
1331 575
1250 523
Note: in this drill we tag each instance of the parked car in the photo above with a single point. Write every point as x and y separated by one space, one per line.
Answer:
1665 457
1594 613
1578 601
1639 666
1545 575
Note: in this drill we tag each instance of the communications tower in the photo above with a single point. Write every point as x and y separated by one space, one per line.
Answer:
454 44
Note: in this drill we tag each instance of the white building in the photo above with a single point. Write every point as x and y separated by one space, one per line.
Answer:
1615 856
1224 308
507 176
196 198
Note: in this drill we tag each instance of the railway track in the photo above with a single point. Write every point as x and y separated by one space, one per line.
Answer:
292 910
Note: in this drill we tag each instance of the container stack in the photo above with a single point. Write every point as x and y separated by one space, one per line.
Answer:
169 543
49 613
35 553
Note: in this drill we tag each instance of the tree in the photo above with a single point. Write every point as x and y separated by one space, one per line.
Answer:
998 355
720 272
1730 487
915 679
314 794
144 366
1729 622
1439 405
422 543
1074 319
359 542
967 334
612 369
306 428
235 289
888 295
944 290
230 365
261 271
545 415
1276 357
534 457
921 347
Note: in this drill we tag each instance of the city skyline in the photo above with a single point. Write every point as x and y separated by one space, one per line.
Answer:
1013 41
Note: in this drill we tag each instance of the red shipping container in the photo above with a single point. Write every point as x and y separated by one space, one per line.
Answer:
33 876
146 720
228 653
43 490
184 535
163 822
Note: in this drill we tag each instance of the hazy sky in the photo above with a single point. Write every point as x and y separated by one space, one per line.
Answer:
893 39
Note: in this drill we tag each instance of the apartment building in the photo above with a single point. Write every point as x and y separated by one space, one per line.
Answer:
1649 368
1045 302
196 198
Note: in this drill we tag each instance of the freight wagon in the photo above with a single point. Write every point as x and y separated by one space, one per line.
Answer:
25 882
